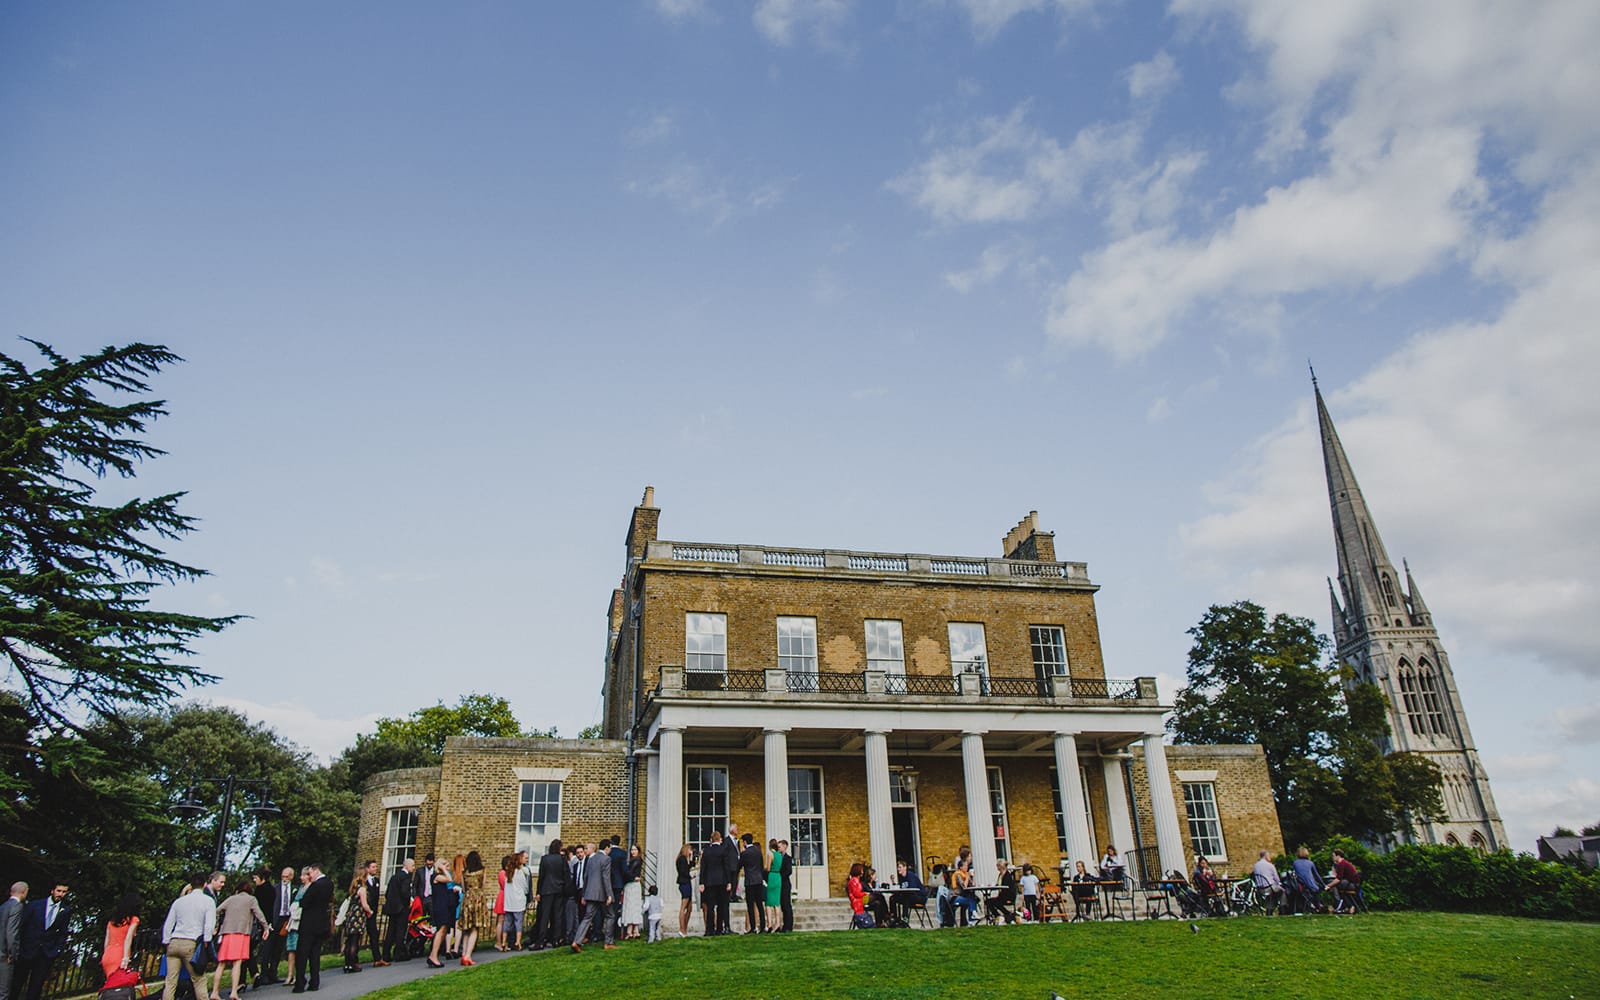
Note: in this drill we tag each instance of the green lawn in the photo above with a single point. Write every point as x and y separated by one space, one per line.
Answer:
1388 955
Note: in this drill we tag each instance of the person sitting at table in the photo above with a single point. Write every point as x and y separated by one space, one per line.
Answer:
857 894
1310 881
905 878
1085 893
1268 886
1111 867
875 900
1001 904
945 913
962 897
1205 883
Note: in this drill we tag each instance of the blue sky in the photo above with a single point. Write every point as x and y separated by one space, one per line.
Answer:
455 282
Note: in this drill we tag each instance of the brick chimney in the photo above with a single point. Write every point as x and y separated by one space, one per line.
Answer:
642 529
1026 541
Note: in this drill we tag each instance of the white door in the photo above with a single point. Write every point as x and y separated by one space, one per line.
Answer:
808 833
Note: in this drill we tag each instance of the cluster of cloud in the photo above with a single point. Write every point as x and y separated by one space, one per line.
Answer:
781 22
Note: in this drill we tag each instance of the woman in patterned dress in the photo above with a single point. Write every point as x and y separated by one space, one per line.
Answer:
475 915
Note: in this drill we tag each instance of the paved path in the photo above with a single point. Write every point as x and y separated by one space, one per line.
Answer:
340 985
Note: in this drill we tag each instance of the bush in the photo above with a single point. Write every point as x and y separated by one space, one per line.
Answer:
1458 880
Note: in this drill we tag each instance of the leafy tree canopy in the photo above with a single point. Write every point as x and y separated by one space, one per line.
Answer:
473 715
1255 679
591 732
77 630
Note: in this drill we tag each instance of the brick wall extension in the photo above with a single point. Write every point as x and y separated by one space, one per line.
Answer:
1244 799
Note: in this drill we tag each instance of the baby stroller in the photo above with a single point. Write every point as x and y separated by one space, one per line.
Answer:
1297 897
419 931
1190 903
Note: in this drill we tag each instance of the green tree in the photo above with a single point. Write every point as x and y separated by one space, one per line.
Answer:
76 624
1258 680
473 715
591 732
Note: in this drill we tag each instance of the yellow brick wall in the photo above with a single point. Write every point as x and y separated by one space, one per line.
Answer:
1244 800
374 822
753 603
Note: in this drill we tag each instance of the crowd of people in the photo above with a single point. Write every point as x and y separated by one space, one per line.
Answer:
576 895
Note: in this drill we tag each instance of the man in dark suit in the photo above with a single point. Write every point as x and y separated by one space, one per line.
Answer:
11 934
369 910
619 878
714 884
594 875
261 947
397 907
277 913
43 937
573 907
786 885
755 886
316 923
552 893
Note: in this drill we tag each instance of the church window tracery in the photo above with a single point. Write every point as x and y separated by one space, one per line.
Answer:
1431 705
1388 590
1408 697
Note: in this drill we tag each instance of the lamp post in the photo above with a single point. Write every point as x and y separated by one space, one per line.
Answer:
191 806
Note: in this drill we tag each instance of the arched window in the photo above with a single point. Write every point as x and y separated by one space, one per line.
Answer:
1477 843
1388 590
1408 698
1431 704
1451 841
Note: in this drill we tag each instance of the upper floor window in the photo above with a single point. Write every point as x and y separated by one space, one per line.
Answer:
1205 824
1432 706
967 649
538 815
705 646
886 649
1409 699
1049 650
797 645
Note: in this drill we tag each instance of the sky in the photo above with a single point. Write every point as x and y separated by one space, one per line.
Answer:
454 283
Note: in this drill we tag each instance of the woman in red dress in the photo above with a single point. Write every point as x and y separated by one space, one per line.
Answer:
116 959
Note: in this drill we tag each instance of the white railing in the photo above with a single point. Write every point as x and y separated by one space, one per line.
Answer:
704 553
959 567
786 557
881 564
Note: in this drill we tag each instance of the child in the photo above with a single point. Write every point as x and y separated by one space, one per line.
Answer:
652 913
1030 893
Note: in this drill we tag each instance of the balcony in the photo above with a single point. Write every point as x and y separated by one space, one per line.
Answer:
878 685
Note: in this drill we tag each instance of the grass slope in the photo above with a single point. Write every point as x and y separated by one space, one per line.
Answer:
1392 955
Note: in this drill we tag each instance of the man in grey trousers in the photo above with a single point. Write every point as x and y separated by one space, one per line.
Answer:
11 935
594 880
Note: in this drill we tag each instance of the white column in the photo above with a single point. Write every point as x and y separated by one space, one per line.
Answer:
671 778
880 811
1117 805
1070 788
776 748
652 808
1169 839
980 821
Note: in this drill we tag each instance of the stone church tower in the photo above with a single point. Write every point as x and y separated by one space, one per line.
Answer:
1386 635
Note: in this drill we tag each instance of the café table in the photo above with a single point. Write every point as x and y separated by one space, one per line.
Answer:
898 897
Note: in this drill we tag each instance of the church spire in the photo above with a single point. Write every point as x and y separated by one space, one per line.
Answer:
1419 610
1365 572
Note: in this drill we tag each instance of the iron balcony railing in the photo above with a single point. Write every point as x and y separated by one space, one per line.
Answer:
981 684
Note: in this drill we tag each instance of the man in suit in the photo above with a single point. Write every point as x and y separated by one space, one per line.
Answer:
552 893
276 910
422 883
260 947
786 885
619 877
43 937
594 875
11 935
397 907
755 886
316 923
369 910
714 884
573 907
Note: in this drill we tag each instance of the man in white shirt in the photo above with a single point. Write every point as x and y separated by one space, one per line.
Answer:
191 920
1268 885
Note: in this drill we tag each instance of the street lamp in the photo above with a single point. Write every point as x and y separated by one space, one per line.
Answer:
191 806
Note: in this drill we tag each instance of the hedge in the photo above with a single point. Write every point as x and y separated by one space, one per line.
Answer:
1459 880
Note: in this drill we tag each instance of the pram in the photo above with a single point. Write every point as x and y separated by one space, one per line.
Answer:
1190 903
419 931
1297 897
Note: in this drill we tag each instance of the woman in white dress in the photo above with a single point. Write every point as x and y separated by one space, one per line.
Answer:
633 895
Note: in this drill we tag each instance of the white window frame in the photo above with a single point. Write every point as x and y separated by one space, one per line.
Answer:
396 848
886 646
975 656
705 642
1061 820
999 818
797 648
719 821
532 835
820 815
1198 821
1051 637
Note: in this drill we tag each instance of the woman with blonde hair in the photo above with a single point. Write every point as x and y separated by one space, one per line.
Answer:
292 941
685 888
443 900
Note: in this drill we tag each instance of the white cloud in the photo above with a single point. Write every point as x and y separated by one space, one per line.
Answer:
1007 170
322 736
682 10
694 189
989 17
782 21
658 126
1578 723
329 574
1153 77
995 261
1532 809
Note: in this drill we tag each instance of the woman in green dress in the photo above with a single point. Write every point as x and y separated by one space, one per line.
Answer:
774 888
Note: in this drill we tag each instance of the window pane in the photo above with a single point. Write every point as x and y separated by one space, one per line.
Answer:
805 815
705 642
967 649
1205 828
1002 829
885 650
797 645
1049 650
706 803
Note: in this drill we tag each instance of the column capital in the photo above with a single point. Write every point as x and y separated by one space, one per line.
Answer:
1070 733
1160 734
974 732
647 752
877 731
776 730
670 729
